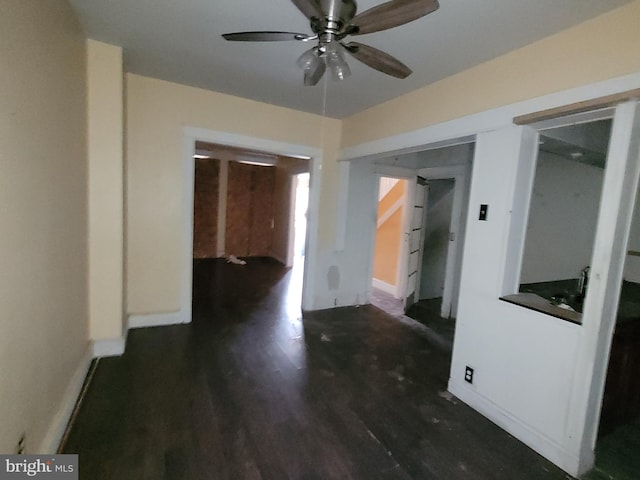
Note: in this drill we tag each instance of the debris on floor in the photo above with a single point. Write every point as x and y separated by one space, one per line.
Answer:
448 397
398 373
236 260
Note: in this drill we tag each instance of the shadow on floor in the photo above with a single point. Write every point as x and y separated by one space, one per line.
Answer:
253 390
424 316
618 455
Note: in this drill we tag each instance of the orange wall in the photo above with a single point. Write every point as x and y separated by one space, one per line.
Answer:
389 236
392 196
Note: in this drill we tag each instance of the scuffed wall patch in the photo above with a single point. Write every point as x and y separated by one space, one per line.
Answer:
333 278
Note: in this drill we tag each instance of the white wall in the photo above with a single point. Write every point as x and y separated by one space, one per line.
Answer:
562 219
44 338
524 361
539 377
342 277
436 238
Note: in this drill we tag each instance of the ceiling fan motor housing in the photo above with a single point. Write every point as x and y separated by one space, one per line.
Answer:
337 15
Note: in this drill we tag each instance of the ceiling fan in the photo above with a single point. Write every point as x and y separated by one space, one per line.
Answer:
331 22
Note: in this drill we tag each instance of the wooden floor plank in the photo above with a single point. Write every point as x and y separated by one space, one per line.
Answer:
251 390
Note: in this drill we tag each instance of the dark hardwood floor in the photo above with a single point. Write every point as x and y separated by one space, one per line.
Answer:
251 390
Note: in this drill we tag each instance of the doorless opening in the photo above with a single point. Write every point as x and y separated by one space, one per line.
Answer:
437 235
428 246
249 208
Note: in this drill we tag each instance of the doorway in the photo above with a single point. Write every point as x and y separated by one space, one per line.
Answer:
249 203
435 244
619 430
388 256
249 209
428 233
438 263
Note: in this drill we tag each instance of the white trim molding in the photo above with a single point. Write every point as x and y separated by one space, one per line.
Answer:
385 287
542 444
464 129
62 415
159 319
110 347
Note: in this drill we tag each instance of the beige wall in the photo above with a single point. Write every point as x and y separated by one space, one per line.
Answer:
157 111
599 49
106 221
329 178
43 214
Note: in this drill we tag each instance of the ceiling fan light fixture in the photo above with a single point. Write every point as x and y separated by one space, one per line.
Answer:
314 73
308 59
335 61
340 72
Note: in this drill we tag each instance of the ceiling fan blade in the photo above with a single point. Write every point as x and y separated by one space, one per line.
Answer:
392 14
313 75
379 60
264 36
309 8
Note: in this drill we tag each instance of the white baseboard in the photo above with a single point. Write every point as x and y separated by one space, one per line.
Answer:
111 347
158 319
545 446
385 287
58 424
343 299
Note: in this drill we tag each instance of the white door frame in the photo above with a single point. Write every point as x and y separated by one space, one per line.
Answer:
409 298
292 221
293 206
193 134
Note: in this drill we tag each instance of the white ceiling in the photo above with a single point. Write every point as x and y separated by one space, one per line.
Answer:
180 41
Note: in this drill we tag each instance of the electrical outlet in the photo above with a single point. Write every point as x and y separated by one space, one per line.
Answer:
484 212
20 446
468 374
